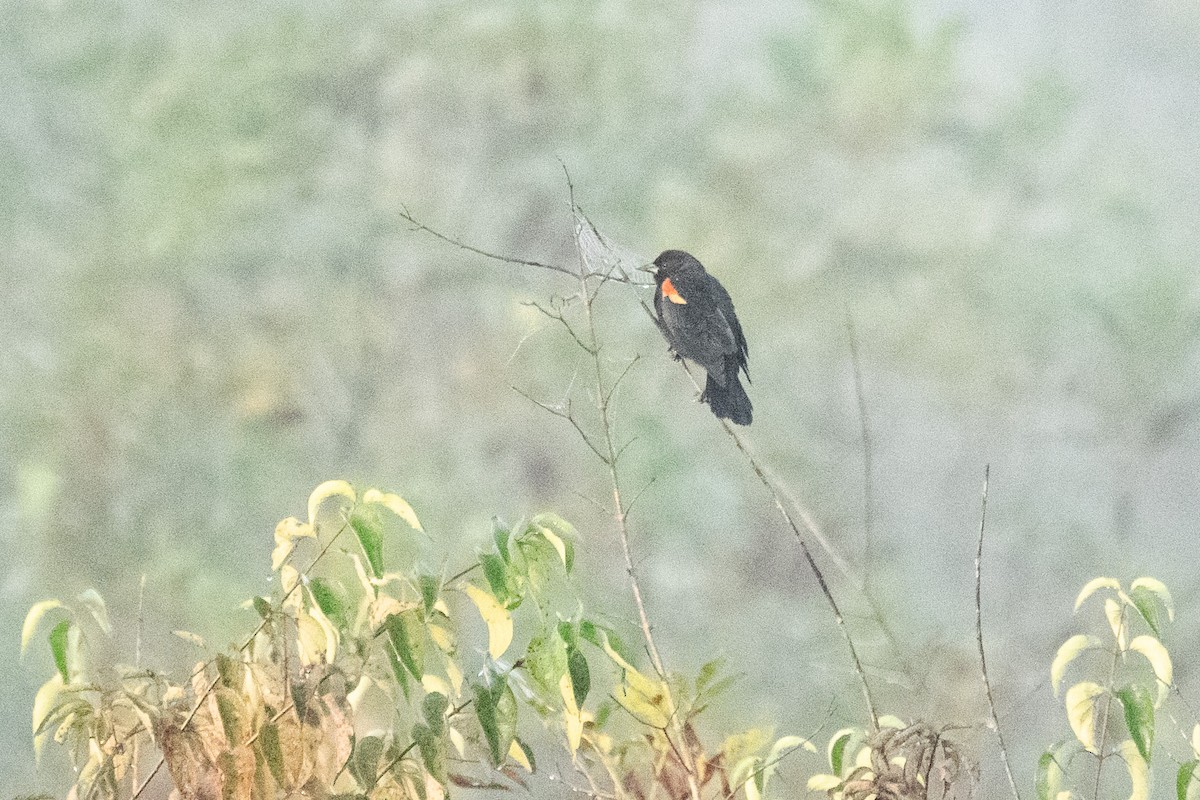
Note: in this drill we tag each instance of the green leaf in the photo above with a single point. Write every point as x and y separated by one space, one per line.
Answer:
1049 775
364 765
231 671
58 646
1184 777
581 680
232 719
398 669
370 538
1150 607
434 708
263 606
496 708
495 569
500 533
546 662
407 636
837 751
268 742
431 586
1139 717
433 752
330 599
597 634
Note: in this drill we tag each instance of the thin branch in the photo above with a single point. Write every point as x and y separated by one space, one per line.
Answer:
421 226
408 749
569 417
867 449
987 684
776 496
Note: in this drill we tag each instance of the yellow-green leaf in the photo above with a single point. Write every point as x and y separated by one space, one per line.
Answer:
836 751
1093 586
1160 662
396 504
325 491
1069 651
499 621
1081 712
1049 776
34 617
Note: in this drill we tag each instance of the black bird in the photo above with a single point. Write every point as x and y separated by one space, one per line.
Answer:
697 317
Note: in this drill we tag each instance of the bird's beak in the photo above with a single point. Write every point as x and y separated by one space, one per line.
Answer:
652 268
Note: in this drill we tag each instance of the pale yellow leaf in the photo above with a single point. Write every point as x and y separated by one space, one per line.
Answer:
1069 651
1139 770
1081 712
1093 586
460 744
286 533
823 783
572 721
44 702
742 777
499 621
455 676
433 683
517 754
1115 613
443 637
396 504
892 721
1160 662
559 546
1196 740
190 638
325 491
327 627
32 619
1160 589
356 695
643 697
310 639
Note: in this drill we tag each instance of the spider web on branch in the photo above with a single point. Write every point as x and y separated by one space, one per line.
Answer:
602 256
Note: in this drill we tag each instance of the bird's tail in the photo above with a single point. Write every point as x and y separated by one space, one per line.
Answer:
729 401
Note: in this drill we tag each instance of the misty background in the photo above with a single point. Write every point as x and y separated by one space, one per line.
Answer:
209 304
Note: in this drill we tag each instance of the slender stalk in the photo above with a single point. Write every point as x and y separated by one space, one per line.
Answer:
611 453
1101 756
987 684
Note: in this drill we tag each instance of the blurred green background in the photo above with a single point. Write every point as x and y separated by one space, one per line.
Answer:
209 304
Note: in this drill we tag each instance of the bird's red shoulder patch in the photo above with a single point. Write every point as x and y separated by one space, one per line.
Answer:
671 293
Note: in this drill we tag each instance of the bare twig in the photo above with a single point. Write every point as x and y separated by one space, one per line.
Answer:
406 216
808 557
987 684
868 467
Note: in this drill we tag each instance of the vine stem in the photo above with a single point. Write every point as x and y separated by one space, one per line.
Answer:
987 684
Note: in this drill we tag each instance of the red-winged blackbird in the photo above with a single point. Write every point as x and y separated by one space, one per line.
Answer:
697 317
